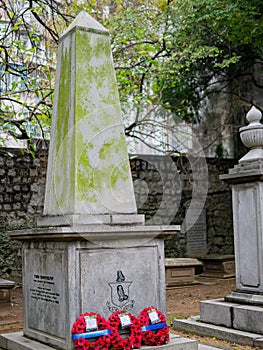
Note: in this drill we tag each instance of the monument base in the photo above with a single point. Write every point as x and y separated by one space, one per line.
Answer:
238 316
68 271
245 298
89 219
14 341
193 325
236 322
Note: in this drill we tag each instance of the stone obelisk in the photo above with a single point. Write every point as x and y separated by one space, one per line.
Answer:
90 244
88 179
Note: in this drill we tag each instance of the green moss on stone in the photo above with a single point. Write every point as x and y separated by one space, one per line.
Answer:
105 176
62 129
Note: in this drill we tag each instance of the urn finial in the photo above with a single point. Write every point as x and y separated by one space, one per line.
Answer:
253 116
252 136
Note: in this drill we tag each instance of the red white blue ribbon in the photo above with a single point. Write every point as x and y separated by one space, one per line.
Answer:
91 334
153 327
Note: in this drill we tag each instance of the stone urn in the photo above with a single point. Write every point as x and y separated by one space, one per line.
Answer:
252 136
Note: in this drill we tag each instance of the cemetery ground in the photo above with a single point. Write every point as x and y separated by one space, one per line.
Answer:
182 302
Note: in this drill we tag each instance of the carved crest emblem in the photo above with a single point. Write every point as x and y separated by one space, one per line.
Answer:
120 298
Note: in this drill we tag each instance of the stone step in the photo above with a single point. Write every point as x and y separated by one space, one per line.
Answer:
208 347
16 341
194 325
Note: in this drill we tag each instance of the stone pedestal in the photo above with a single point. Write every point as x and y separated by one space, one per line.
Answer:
246 180
242 309
232 315
98 268
247 191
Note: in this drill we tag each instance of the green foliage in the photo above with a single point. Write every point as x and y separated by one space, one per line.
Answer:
169 53
26 72
207 39
137 48
166 53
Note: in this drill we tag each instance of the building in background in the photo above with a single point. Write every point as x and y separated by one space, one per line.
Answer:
27 59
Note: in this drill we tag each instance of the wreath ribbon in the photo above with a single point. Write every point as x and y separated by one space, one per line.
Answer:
153 327
91 334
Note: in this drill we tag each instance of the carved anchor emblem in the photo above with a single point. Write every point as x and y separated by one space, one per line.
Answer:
120 299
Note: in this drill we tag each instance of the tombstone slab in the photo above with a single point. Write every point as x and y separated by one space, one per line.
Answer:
218 266
5 286
180 271
196 232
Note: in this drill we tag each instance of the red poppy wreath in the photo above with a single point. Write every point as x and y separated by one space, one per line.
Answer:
91 332
154 328
121 320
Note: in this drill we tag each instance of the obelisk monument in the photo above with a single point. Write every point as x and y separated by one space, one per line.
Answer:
88 177
90 242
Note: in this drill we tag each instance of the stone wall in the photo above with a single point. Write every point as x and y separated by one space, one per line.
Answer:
163 189
219 209
218 203
22 184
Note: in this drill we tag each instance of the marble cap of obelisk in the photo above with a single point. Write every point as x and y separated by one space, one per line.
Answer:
88 179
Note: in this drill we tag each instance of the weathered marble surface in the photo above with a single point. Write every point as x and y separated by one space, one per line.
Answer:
88 167
64 279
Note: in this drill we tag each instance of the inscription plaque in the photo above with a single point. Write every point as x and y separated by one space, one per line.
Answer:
44 290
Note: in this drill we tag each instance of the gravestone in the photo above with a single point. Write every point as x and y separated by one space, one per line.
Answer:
91 250
196 233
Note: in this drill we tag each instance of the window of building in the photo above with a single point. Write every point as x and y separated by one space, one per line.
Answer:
12 77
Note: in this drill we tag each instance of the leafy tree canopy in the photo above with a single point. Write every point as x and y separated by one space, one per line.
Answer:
167 53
